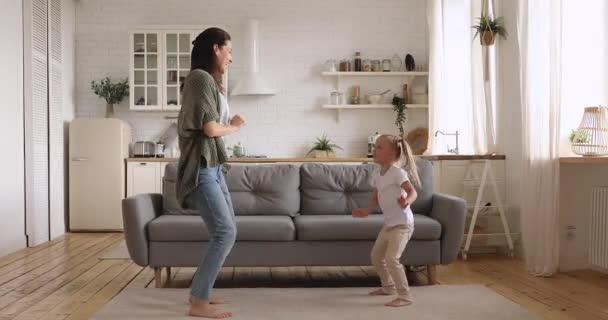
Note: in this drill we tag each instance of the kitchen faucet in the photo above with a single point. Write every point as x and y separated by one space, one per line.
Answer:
455 150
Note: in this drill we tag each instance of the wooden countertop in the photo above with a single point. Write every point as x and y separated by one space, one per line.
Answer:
274 160
583 160
465 157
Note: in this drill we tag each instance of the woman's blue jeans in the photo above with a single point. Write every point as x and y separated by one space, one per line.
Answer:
212 201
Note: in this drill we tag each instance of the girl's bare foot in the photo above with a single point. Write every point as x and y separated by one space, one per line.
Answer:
399 302
213 300
379 292
204 309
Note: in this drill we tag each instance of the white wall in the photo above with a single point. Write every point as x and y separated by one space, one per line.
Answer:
12 214
577 180
297 38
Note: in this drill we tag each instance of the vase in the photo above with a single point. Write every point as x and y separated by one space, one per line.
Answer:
487 38
109 110
410 63
591 137
322 154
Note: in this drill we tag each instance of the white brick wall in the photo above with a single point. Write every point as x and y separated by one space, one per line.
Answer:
297 37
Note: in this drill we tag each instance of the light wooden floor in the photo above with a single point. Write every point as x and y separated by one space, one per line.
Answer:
64 279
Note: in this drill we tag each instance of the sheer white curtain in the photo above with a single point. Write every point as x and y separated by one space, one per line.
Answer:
483 83
539 25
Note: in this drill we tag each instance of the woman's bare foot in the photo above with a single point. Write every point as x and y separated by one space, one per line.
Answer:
204 309
399 302
212 300
379 292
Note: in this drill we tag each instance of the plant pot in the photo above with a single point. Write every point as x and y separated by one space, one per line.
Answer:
322 154
487 38
109 110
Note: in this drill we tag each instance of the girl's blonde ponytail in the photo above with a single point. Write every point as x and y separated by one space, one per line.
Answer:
410 162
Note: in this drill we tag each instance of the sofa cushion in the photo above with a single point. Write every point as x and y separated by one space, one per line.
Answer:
343 227
192 228
337 189
424 202
272 189
254 189
330 189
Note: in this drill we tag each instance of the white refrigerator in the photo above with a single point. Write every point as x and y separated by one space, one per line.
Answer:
98 148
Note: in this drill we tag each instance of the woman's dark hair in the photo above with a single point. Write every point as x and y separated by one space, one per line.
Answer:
203 56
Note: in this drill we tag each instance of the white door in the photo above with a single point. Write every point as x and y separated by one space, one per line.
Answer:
12 192
36 121
96 174
143 177
56 144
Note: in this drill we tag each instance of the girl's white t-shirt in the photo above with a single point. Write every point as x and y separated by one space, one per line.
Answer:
389 190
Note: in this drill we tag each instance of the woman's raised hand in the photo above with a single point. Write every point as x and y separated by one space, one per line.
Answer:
237 121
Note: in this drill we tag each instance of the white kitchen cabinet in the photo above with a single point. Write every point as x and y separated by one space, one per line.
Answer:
143 177
159 63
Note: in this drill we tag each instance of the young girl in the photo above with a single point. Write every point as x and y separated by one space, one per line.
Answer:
394 193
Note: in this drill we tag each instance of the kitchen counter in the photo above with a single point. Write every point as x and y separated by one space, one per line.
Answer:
465 157
274 160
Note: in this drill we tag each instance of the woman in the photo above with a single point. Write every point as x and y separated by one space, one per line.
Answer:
203 121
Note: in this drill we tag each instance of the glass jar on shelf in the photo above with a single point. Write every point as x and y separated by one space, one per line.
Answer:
345 65
358 67
386 65
367 65
376 66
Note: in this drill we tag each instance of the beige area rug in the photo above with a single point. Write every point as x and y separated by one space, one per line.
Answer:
471 302
117 252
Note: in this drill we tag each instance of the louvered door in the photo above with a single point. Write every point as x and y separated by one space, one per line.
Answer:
56 144
36 121
44 142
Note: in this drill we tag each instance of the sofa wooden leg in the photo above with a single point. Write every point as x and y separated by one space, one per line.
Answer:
431 272
168 274
158 273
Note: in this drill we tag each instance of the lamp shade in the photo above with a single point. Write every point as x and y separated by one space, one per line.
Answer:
591 137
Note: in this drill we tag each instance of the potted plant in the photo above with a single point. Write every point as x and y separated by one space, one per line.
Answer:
399 106
487 29
577 136
323 148
113 93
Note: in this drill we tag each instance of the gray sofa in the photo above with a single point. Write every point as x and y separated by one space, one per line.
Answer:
292 215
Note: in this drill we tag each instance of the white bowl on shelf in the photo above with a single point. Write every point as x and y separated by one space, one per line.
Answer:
374 99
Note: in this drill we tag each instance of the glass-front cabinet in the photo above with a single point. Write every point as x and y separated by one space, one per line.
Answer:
160 61
144 79
178 46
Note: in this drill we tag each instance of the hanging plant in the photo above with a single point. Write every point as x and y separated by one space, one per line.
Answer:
487 29
399 107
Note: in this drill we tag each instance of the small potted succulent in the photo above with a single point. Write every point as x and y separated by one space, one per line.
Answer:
113 93
487 28
577 136
323 148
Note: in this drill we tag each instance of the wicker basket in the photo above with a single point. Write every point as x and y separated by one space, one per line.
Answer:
591 137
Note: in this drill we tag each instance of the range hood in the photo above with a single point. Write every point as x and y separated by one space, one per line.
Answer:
252 83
